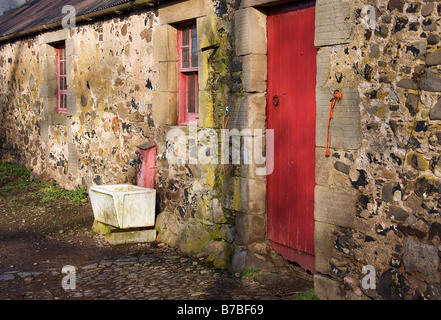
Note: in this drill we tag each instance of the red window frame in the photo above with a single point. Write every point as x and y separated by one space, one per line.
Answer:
61 79
188 74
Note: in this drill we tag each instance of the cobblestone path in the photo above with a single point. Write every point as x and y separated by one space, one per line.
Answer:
159 274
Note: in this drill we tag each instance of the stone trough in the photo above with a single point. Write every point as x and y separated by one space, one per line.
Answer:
128 212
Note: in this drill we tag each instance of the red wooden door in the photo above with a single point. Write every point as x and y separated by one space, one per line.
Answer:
291 113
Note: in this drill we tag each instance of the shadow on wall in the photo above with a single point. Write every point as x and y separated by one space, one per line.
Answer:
15 101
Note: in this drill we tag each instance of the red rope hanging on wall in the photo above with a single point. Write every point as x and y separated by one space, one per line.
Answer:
337 97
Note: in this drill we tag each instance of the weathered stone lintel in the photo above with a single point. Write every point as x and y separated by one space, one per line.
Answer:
55 36
181 11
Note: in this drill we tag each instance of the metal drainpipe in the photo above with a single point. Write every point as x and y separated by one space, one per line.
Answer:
86 17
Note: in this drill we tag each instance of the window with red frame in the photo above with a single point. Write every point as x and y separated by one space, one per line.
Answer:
61 79
188 74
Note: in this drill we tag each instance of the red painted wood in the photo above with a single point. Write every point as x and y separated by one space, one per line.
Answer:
61 79
188 75
304 259
291 76
151 162
146 173
141 168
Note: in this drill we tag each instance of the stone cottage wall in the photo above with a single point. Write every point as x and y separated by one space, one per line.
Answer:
110 80
377 195
230 219
122 92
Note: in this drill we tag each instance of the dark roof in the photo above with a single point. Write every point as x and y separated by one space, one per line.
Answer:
43 12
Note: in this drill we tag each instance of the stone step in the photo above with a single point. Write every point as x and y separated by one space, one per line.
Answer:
127 237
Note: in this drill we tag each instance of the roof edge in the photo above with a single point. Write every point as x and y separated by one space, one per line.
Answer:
128 6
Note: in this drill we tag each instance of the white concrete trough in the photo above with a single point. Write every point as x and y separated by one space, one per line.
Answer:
123 205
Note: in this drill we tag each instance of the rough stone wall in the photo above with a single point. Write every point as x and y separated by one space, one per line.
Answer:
21 111
111 75
377 196
229 218
122 80
378 203
113 79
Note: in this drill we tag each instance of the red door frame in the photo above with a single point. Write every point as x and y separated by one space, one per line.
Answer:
185 73
291 112
60 52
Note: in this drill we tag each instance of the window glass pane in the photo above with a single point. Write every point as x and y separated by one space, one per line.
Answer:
191 101
63 103
61 54
185 37
194 47
62 83
185 58
62 68
193 31
194 58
